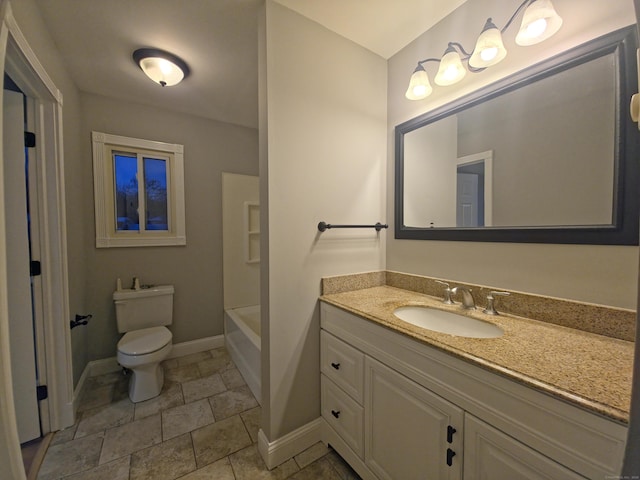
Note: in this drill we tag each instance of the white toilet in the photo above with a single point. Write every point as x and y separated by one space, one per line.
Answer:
142 315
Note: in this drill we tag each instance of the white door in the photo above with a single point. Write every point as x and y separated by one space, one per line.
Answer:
21 333
466 200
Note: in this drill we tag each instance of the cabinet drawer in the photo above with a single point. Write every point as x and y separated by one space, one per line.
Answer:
343 414
343 364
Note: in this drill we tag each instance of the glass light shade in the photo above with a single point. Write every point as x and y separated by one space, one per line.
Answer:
419 85
162 71
162 67
539 22
489 48
451 69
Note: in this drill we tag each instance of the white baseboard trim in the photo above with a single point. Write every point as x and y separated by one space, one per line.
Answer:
195 346
102 366
110 365
282 449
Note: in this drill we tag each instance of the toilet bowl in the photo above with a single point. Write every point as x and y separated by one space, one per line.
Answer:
142 315
141 351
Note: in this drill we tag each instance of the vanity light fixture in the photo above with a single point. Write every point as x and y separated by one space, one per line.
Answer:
539 22
162 67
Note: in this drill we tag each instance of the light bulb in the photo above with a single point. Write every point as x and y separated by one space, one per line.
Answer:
537 28
488 54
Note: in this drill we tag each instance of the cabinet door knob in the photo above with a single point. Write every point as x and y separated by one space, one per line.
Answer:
450 432
450 455
335 365
335 413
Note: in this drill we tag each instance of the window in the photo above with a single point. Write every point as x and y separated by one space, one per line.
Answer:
139 192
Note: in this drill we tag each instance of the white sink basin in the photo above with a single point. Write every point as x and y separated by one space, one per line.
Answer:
447 322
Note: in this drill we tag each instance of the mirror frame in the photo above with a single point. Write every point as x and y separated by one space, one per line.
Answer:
624 228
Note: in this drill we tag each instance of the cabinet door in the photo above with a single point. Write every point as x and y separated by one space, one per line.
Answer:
490 454
410 432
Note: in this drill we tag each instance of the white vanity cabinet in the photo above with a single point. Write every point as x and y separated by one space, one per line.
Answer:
398 409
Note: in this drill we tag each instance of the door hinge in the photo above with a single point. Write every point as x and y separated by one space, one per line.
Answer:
29 139
42 392
35 268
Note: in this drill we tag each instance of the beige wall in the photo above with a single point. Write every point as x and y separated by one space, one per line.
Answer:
599 274
323 112
195 270
77 188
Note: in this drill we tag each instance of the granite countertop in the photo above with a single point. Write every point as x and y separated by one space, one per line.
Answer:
586 369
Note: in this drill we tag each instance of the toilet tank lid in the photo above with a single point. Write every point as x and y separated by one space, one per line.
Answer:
151 291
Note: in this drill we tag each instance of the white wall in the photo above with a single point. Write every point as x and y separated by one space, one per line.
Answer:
241 279
430 156
323 112
599 274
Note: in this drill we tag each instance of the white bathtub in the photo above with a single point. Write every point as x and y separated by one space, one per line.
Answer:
242 339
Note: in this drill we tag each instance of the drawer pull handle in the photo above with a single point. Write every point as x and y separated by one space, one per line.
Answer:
450 455
335 365
335 413
450 432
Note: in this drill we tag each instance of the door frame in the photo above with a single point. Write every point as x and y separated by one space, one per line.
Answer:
21 64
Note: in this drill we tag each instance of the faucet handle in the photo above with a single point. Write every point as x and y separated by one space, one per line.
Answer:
447 293
490 310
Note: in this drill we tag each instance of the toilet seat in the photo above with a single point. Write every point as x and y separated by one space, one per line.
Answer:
144 341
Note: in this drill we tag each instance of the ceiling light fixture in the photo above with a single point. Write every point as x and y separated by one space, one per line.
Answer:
162 67
539 22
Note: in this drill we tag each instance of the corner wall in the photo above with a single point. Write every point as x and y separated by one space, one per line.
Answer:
592 273
323 118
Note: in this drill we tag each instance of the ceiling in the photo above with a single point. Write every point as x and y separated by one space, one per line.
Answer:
217 38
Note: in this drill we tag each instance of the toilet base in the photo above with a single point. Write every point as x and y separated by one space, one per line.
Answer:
146 382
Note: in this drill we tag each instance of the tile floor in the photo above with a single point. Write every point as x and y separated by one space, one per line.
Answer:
204 425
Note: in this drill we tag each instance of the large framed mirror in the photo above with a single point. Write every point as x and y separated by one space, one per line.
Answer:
548 155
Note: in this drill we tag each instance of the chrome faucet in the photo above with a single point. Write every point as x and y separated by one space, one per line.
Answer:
467 299
447 293
491 310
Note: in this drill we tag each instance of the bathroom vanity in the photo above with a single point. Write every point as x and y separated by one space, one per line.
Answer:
403 402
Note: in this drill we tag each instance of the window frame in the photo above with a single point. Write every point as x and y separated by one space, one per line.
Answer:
104 145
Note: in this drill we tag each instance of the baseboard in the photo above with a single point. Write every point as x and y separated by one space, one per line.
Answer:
102 366
279 451
109 365
195 346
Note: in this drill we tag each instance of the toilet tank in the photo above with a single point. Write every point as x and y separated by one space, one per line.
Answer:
144 308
